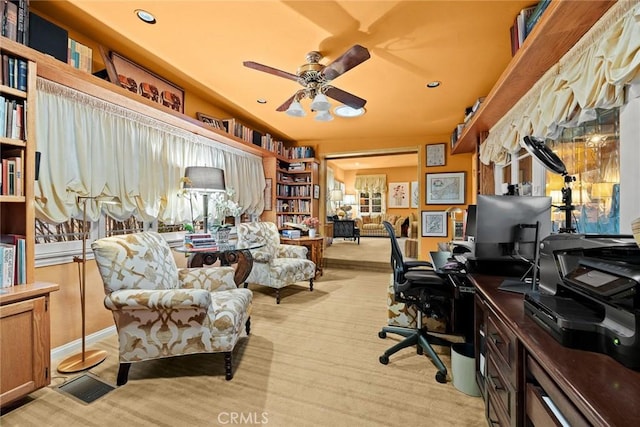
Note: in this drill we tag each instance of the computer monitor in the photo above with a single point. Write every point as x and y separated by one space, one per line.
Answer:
470 223
511 227
498 218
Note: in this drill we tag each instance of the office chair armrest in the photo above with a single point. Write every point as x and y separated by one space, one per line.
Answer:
416 264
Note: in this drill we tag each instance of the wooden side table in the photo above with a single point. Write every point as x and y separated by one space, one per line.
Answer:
315 252
328 233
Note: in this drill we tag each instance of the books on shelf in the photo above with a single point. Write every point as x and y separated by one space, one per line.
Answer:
14 20
518 30
15 244
535 15
7 264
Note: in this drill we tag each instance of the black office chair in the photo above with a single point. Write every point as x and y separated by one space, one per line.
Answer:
416 284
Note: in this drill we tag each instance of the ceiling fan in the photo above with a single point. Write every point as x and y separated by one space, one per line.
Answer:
315 78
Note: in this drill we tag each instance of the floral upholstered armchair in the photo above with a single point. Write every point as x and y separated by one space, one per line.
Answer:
275 265
162 311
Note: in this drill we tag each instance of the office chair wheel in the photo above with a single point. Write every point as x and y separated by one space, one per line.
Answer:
384 359
441 378
382 334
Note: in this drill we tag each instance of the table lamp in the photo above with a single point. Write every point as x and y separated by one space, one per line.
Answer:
336 197
87 358
204 180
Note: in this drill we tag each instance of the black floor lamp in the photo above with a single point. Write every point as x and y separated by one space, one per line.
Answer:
87 358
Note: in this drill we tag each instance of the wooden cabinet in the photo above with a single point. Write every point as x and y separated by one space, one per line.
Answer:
296 183
562 24
25 354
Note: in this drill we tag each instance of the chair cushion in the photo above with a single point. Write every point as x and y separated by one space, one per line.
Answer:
426 277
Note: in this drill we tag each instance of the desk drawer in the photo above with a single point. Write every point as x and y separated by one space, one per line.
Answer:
502 342
499 388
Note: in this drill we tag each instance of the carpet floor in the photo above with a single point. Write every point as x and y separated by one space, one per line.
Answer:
310 361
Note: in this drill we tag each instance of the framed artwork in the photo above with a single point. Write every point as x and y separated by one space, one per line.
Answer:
436 155
445 188
398 195
316 191
267 194
415 195
211 121
137 79
434 224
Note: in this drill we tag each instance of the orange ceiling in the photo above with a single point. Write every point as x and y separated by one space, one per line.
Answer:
201 45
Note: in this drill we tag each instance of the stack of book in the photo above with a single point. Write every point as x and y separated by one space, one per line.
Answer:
203 241
13 263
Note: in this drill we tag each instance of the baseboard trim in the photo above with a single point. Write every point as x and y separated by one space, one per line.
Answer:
74 347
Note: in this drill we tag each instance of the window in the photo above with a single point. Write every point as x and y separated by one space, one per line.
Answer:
370 203
590 153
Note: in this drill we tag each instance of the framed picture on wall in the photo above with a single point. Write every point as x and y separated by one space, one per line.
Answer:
415 195
445 188
316 191
398 195
211 121
434 224
436 155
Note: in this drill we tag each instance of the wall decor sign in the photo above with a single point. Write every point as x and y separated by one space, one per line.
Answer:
398 195
137 79
267 194
415 194
436 155
434 224
211 121
445 188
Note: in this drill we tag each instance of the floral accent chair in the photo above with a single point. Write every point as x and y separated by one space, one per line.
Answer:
275 265
163 311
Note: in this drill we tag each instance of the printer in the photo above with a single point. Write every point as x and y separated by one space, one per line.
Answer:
596 303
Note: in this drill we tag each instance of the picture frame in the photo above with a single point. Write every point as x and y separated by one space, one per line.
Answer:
399 195
415 194
316 191
267 194
147 84
436 154
211 121
434 224
445 188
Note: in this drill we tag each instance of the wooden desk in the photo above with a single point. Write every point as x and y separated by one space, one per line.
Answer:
524 362
315 246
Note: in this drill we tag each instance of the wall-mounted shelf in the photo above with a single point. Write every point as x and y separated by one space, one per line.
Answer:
562 24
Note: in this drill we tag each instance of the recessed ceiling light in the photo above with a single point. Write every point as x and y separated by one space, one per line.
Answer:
346 111
145 16
433 84
261 101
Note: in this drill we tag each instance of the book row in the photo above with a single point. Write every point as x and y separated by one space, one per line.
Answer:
284 190
11 176
14 16
293 206
13 116
13 264
14 72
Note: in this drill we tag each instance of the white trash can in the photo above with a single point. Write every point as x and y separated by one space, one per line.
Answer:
463 368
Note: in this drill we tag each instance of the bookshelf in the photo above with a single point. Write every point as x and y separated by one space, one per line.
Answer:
561 25
24 307
295 182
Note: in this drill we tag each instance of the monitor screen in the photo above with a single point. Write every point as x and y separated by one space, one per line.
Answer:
498 220
470 223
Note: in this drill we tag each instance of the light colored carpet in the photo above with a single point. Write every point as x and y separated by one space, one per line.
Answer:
372 254
310 361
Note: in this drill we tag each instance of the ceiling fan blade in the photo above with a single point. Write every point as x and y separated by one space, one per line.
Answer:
286 104
355 56
345 97
270 70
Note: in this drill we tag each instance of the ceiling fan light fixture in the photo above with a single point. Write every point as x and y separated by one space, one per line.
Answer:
295 110
348 112
320 103
324 116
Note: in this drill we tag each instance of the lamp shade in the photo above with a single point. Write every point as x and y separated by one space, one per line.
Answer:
204 179
320 103
324 116
336 195
349 199
295 110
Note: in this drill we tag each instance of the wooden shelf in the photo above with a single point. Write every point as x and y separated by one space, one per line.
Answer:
562 24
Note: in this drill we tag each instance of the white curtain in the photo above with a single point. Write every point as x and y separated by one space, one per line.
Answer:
593 74
90 147
371 183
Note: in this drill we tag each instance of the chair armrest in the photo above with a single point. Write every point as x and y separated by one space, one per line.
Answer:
150 299
260 255
398 225
212 279
418 264
291 251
